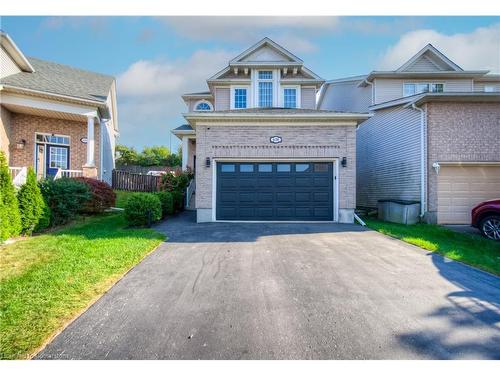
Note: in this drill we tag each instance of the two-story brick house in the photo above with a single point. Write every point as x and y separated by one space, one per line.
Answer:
261 150
433 137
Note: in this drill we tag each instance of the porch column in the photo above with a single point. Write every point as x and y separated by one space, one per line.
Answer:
90 142
89 168
185 151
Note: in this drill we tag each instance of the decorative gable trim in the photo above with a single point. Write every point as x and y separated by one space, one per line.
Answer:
429 48
15 53
265 42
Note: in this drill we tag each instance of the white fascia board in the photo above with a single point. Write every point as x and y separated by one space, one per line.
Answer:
197 96
267 116
426 75
347 79
15 53
48 105
261 43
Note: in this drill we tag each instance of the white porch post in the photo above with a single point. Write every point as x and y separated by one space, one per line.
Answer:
90 142
185 156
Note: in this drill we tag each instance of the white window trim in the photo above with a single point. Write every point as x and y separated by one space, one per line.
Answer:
55 135
422 83
489 88
203 101
298 93
249 96
255 86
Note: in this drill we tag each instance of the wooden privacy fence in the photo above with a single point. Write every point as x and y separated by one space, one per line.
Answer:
135 181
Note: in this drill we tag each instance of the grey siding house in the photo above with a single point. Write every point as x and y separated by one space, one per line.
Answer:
260 149
433 137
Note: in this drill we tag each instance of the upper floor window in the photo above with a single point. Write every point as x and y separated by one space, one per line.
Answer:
240 98
290 98
265 74
203 106
488 88
265 78
421 87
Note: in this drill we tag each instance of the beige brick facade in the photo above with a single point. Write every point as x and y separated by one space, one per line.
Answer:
299 142
25 126
460 132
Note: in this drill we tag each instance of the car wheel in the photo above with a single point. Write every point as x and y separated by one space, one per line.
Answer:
490 227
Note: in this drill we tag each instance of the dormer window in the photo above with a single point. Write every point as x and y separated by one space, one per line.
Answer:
421 87
265 85
290 98
203 106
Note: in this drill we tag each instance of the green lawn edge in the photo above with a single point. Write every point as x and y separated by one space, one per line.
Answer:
48 280
466 248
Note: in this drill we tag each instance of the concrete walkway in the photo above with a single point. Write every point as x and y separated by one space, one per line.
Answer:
288 291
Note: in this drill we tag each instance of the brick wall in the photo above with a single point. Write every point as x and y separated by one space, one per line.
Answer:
25 126
298 142
460 132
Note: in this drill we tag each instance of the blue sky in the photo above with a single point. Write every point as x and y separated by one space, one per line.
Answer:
156 59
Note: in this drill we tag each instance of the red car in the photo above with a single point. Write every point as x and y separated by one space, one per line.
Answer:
486 217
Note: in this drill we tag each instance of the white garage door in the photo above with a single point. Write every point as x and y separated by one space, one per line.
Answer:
460 188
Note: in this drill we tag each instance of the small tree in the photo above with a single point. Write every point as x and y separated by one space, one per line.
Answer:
11 220
31 203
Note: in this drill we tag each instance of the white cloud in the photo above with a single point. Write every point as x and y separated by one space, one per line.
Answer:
149 94
479 49
246 29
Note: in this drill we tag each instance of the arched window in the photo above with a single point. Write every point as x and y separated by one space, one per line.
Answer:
203 106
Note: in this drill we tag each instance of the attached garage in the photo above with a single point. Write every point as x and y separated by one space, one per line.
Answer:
275 191
460 188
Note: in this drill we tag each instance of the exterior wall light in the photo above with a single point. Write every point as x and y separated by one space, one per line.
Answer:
207 162
21 144
344 162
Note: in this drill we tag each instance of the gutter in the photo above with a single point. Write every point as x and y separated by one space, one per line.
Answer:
423 160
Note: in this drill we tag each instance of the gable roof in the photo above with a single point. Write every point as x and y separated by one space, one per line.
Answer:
15 53
263 43
430 53
53 78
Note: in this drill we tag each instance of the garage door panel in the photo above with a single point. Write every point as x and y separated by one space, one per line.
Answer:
277 191
460 188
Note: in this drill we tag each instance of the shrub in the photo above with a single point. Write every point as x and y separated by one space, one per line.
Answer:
177 180
139 206
64 196
10 225
178 198
102 195
30 203
44 221
167 202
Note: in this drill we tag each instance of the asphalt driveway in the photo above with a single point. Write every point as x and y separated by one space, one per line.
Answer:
288 291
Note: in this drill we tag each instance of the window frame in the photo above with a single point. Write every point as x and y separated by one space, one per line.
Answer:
203 101
271 80
428 83
297 89
233 96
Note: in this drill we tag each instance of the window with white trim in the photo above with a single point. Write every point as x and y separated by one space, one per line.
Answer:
53 139
265 86
421 87
489 88
58 157
240 98
290 97
203 106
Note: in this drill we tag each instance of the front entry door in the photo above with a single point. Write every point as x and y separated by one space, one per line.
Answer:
56 157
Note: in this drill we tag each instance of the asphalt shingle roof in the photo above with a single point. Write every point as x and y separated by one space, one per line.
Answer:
62 79
184 127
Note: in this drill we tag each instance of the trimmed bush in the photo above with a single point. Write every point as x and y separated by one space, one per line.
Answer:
102 196
142 207
176 180
167 202
30 203
178 197
65 197
10 224
44 221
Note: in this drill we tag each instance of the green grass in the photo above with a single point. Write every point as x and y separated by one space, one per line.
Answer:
46 281
467 248
121 197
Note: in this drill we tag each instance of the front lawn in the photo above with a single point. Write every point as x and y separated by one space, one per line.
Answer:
467 248
47 280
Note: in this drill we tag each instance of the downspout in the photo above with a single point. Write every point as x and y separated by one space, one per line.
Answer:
423 203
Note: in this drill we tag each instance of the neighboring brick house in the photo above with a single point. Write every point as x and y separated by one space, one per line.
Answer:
260 149
60 120
434 135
